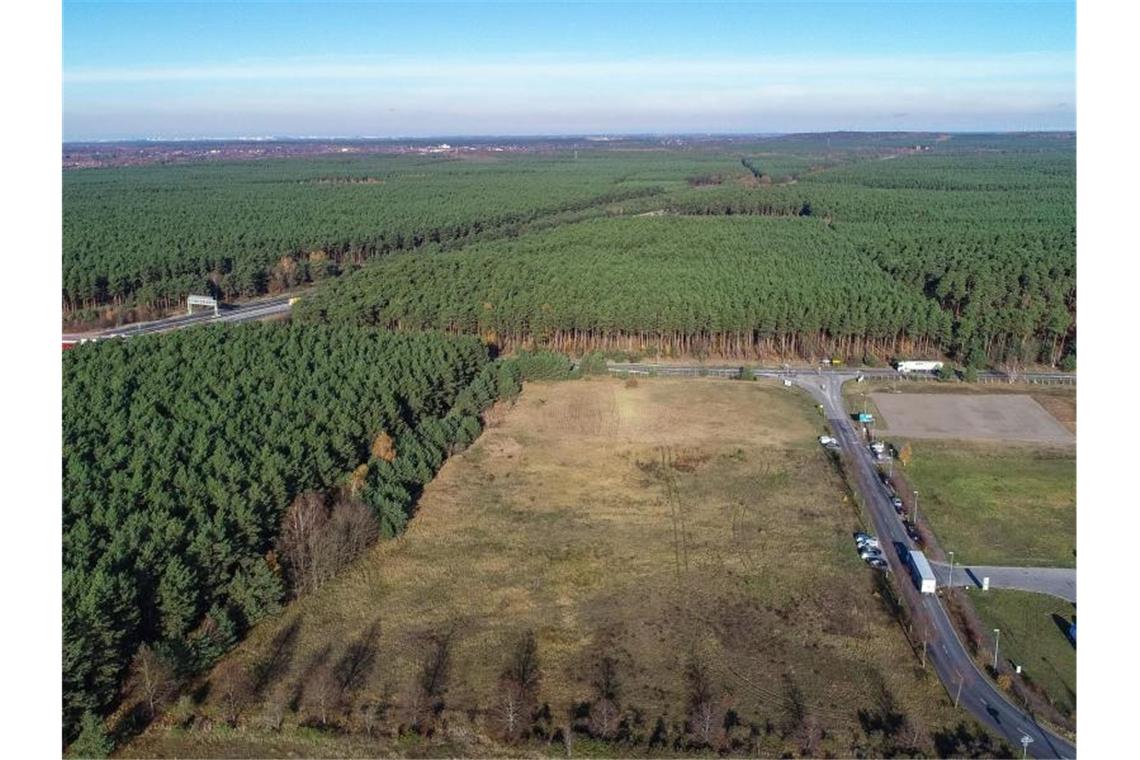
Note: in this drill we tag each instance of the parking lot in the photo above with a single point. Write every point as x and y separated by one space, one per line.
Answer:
1004 417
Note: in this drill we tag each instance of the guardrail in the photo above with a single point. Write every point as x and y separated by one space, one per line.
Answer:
676 370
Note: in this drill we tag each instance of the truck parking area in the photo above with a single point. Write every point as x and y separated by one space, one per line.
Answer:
1005 417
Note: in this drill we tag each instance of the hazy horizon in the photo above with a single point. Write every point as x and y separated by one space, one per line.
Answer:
214 71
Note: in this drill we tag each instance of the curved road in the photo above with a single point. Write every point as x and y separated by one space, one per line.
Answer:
944 650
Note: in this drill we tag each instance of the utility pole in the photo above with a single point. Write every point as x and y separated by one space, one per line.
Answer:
997 642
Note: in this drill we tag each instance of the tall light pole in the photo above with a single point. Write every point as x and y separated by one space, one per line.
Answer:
916 509
997 643
951 569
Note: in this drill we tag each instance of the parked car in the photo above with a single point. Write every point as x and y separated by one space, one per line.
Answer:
870 552
897 503
878 563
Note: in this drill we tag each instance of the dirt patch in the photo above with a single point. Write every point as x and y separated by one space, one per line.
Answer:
994 417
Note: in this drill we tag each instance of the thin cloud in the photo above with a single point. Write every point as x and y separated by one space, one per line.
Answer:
959 66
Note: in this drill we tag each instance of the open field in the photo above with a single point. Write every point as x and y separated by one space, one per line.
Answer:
1033 635
997 503
671 528
1005 417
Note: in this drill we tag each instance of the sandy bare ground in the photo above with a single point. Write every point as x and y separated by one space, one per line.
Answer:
991 417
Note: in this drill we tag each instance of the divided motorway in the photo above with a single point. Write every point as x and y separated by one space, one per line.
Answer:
944 650
262 309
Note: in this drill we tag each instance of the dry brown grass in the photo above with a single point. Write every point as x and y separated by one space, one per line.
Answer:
645 523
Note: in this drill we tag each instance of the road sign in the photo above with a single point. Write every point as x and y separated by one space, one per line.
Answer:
192 301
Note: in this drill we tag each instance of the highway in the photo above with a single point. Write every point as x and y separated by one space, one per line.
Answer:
733 371
944 650
261 309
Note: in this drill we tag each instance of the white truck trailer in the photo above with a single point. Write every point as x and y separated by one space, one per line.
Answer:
921 572
918 366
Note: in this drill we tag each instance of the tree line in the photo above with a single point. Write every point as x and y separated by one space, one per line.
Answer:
208 474
335 691
732 287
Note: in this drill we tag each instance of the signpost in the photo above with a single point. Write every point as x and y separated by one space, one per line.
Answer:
192 301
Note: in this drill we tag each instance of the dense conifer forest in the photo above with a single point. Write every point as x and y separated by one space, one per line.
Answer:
866 230
181 453
966 254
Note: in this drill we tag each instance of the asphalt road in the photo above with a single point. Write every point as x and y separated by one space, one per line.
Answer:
1055 581
677 370
261 309
945 652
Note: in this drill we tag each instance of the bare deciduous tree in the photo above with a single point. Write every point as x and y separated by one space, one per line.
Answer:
317 541
811 734
321 694
301 527
152 680
233 685
604 718
518 688
511 710
605 714
425 700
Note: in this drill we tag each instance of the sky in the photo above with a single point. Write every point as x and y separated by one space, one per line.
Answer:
382 69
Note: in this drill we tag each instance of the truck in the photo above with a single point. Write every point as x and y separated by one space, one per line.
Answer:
918 366
921 573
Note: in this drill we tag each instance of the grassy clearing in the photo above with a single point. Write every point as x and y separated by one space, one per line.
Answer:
1033 635
998 503
657 523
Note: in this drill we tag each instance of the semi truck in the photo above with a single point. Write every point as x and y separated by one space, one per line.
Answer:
921 573
918 366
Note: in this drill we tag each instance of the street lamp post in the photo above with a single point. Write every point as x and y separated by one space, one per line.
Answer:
951 569
916 509
997 643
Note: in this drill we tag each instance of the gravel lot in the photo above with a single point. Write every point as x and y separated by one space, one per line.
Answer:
944 415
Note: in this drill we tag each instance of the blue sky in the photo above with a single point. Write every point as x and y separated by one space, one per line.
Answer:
226 69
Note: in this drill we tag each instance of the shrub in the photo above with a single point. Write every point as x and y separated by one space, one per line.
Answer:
593 363
541 365
92 741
